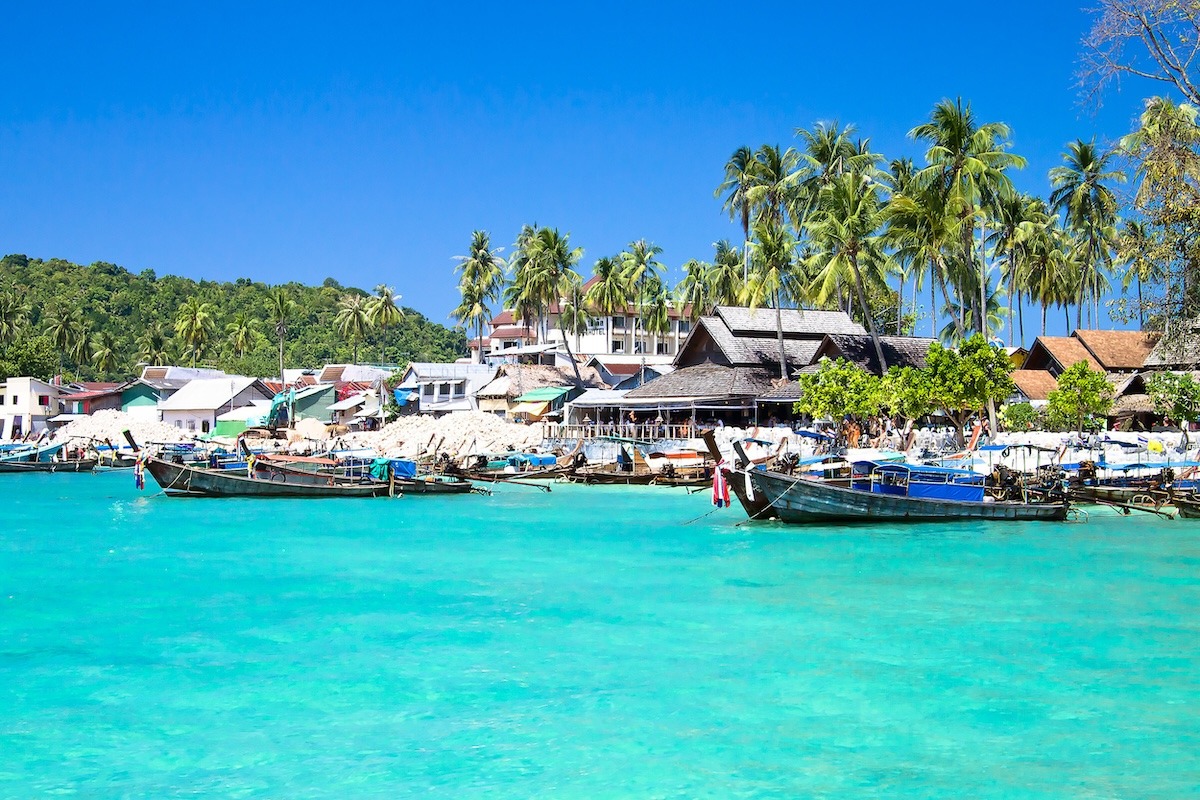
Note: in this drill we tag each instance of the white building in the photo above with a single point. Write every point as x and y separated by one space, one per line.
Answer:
197 405
442 388
25 406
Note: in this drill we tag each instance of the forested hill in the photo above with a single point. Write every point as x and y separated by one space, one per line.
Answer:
99 321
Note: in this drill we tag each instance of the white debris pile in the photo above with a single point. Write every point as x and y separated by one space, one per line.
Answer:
459 433
109 424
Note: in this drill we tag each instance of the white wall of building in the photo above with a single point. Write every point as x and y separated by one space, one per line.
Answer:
28 403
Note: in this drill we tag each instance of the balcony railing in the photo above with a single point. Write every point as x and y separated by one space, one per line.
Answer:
602 430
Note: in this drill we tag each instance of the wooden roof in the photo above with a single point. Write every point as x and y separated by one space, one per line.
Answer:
1118 350
707 381
1056 353
899 351
1035 384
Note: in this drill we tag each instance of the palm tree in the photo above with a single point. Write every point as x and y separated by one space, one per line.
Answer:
967 162
692 292
828 152
611 291
242 332
481 280
65 326
775 177
773 254
573 315
658 309
14 312
193 325
727 276
1082 193
845 230
352 321
383 310
1135 249
1016 214
104 352
548 275
153 345
281 308
640 264
739 179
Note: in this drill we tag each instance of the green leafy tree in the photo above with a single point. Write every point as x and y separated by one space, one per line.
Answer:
772 257
839 388
906 392
1081 392
963 382
1021 417
1175 395
154 345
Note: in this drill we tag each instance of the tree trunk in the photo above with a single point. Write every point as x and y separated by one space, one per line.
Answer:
574 363
900 305
862 299
932 300
1012 290
783 371
1043 319
1141 307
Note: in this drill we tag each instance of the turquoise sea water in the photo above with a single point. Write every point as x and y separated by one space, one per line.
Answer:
583 644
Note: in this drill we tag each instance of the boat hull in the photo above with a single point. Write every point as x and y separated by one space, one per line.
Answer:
182 480
74 465
804 500
1188 507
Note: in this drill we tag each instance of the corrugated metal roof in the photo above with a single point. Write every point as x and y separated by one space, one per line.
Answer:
206 394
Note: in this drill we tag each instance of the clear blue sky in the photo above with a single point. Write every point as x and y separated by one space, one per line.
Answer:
295 141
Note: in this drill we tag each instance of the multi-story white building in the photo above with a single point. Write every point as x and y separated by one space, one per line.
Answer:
25 406
618 338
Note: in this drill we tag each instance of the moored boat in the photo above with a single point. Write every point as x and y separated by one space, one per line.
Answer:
900 492
178 479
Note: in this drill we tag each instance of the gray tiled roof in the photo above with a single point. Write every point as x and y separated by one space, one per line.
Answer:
900 351
758 350
707 381
796 322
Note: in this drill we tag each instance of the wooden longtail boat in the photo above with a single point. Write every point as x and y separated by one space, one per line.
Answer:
896 492
327 472
182 480
631 469
66 465
31 451
1188 506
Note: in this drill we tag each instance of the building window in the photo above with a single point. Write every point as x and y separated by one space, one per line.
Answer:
618 345
204 426
427 390
178 423
618 323
1 399
685 326
664 348
595 325
43 399
191 424
509 343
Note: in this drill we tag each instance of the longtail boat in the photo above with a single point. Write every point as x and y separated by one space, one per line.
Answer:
29 451
400 475
900 492
63 465
1188 506
177 479
630 469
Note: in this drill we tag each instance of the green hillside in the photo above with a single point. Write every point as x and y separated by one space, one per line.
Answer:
99 321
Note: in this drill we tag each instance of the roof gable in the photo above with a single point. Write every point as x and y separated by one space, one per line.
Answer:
898 351
1035 384
1056 353
1118 350
796 322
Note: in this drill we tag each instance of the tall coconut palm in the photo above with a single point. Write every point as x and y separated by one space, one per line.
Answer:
480 283
383 311
243 333
1135 251
1082 193
66 327
845 229
923 228
194 325
104 352
352 321
726 277
14 312
1015 215
740 178
658 309
828 151
153 346
968 161
640 263
772 256
692 292
281 310
775 176
550 276
610 292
